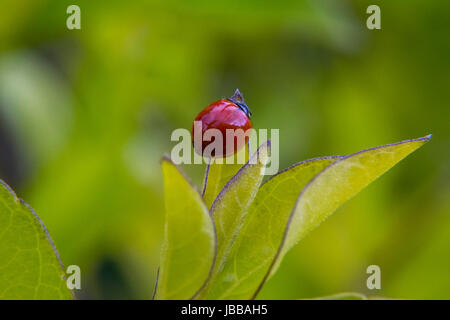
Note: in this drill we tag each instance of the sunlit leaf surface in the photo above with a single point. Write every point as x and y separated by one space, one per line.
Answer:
218 174
29 263
262 231
189 244
292 204
231 207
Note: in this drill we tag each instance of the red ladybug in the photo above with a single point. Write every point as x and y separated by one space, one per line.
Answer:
224 114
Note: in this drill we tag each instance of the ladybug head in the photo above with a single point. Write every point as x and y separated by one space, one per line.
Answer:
238 99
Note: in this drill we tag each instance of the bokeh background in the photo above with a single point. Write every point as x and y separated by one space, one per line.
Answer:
86 115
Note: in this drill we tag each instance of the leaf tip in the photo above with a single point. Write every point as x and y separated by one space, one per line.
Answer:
424 139
267 145
165 158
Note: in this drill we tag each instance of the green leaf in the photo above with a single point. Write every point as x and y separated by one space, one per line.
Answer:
189 245
262 231
349 296
231 206
338 183
219 172
30 267
267 235
343 296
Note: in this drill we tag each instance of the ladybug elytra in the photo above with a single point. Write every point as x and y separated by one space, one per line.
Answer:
224 115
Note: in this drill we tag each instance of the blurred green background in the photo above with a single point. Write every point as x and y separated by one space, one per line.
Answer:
86 115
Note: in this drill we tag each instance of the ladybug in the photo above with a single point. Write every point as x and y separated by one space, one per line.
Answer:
223 114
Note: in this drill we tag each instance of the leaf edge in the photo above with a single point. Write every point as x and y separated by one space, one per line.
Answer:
166 158
286 231
43 227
